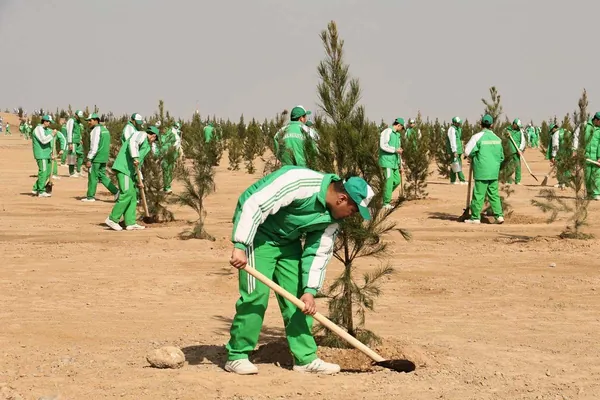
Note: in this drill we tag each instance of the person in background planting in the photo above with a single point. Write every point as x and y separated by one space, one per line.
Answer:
486 153
209 131
454 148
42 140
8 129
390 150
592 152
130 158
62 150
285 226
289 141
412 132
63 131
531 136
28 130
518 136
22 127
558 151
170 145
97 158
75 144
133 126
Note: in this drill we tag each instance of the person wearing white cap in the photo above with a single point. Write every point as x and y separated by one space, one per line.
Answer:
412 132
170 146
518 136
75 144
454 148
133 126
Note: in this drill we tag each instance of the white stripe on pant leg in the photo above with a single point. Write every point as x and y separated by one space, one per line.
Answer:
250 278
44 165
126 183
388 173
253 266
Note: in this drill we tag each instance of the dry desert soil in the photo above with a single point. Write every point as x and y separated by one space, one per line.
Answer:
479 309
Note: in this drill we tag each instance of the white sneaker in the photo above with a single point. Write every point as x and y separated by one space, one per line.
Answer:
75 175
116 196
500 220
455 183
241 367
596 198
113 225
318 367
44 194
472 221
135 227
518 184
387 207
86 200
464 183
55 177
34 192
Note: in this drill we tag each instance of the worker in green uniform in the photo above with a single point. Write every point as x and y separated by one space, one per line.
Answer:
290 140
61 140
97 158
285 226
412 132
518 136
390 150
42 152
75 144
63 131
130 158
592 152
209 131
170 146
454 148
132 127
486 153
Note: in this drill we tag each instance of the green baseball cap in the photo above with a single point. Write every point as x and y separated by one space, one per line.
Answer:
359 190
93 116
137 118
552 126
597 115
177 125
79 113
47 118
153 130
298 112
517 122
487 118
399 121
456 120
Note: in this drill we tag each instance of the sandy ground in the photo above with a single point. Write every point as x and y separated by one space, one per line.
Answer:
478 308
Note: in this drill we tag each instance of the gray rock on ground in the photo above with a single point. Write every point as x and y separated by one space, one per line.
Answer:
166 357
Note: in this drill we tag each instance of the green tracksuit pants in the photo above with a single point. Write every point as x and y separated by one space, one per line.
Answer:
78 150
167 169
282 264
43 176
516 160
392 181
482 189
63 158
54 166
592 180
98 174
8 131
461 175
127 203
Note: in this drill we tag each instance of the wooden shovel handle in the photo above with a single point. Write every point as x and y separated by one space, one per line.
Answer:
318 316
142 193
592 162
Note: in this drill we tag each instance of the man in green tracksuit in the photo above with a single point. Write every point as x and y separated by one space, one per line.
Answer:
170 145
22 128
8 130
75 143
592 152
285 226
531 136
62 149
97 158
42 151
390 149
412 132
517 135
209 130
130 158
290 140
559 138
133 126
486 153
454 148
63 131
28 130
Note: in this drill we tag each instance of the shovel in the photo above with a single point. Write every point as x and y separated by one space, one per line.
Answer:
146 218
523 157
467 213
545 180
596 163
395 365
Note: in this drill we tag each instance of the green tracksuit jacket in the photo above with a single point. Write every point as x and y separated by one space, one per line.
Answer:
389 143
208 133
128 131
99 145
136 148
73 131
290 142
454 140
42 143
282 207
485 148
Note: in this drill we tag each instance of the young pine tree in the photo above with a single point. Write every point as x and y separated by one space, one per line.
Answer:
254 145
571 160
236 145
348 145
415 159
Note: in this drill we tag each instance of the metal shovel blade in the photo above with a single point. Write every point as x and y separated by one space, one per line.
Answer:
397 365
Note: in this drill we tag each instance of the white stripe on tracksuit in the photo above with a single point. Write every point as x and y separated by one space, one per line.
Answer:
251 281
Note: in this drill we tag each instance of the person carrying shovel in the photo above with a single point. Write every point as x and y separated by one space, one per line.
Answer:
130 158
285 226
486 154
517 147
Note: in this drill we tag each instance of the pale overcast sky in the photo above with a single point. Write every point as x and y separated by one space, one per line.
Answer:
259 56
